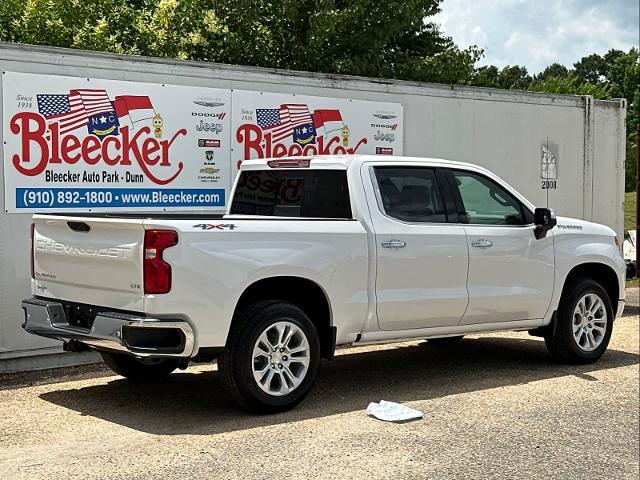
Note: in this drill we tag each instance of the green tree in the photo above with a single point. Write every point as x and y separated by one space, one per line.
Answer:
571 85
514 77
487 76
392 39
553 70
592 68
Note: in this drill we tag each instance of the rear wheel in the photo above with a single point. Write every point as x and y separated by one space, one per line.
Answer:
272 357
446 340
584 324
139 369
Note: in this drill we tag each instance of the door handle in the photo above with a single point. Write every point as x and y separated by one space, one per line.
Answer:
393 243
482 243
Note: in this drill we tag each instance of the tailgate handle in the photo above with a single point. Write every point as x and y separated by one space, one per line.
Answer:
79 226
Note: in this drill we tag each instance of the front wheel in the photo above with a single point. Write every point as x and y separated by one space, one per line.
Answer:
139 369
583 325
272 357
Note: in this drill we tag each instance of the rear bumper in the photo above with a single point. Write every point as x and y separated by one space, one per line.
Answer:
121 332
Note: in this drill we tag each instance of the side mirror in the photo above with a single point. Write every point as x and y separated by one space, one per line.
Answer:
545 219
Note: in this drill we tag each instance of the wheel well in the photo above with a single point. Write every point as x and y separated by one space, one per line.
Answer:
302 292
601 273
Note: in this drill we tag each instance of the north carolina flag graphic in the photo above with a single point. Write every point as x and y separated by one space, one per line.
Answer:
136 107
330 120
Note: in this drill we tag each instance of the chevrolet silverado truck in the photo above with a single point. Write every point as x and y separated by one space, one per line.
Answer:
318 252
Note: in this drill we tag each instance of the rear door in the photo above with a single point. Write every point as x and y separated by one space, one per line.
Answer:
96 261
421 268
511 273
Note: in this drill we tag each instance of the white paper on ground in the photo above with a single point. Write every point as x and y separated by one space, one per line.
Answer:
392 412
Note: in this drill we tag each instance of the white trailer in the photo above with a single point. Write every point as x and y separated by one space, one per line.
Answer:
563 151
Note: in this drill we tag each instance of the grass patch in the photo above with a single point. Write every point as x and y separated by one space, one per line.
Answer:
630 211
632 282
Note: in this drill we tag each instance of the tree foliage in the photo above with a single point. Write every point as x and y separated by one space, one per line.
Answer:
388 39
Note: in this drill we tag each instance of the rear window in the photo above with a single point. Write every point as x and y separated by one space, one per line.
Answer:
292 193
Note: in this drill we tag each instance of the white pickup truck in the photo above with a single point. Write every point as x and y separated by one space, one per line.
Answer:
318 252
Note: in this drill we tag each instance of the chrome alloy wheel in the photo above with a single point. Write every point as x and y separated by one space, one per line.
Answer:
281 358
589 322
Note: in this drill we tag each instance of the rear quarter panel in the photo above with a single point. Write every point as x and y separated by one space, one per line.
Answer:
212 266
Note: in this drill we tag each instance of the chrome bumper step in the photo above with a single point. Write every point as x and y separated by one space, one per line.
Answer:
128 333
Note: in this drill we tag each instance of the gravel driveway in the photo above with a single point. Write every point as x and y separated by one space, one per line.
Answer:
495 406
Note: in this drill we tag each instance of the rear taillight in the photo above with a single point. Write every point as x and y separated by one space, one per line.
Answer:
157 272
33 268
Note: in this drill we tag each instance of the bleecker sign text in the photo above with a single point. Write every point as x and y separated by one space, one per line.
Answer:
254 141
54 148
274 125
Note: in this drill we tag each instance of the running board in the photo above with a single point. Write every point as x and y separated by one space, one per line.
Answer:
383 336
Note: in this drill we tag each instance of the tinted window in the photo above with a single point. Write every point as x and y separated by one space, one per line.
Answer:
485 202
293 193
410 194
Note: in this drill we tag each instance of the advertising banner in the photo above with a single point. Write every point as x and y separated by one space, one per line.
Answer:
84 144
87 144
279 125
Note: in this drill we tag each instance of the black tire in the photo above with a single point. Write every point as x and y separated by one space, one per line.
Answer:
140 370
560 339
237 362
446 340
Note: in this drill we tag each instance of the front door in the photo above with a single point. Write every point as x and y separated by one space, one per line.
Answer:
421 268
511 273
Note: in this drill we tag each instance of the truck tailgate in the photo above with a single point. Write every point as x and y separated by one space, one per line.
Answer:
96 261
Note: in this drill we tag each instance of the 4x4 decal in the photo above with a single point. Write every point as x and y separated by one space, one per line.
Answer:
216 226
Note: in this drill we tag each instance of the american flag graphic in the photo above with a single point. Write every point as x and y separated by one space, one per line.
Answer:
281 122
73 110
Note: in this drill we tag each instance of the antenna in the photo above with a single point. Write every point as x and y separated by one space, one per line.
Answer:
547 153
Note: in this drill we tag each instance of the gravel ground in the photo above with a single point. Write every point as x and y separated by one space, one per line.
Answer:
495 406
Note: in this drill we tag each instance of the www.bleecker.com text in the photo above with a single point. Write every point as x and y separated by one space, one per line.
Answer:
92 177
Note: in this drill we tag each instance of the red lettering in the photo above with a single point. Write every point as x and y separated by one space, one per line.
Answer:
105 150
280 150
55 143
165 144
310 150
340 150
68 145
295 150
267 145
20 123
251 136
149 147
363 141
91 144
131 144
54 148
259 145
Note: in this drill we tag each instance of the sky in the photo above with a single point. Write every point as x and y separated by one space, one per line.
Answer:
537 33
